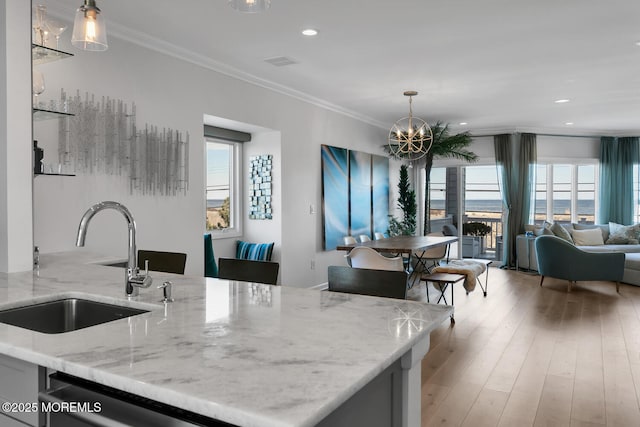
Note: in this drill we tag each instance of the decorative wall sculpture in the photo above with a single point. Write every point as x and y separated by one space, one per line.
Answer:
102 138
355 194
260 187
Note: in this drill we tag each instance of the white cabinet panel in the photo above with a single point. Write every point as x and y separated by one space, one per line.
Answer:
19 383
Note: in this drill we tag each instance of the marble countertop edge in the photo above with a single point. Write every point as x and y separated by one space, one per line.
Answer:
409 324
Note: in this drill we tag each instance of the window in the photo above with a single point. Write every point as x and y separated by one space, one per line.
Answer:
482 192
437 191
562 192
483 201
636 193
540 212
223 192
566 193
586 207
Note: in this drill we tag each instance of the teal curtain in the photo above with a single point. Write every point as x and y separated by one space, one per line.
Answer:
504 163
517 181
617 157
526 173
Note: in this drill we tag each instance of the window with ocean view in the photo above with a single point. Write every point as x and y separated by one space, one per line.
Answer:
566 193
482 200
222 189
482 192
561 196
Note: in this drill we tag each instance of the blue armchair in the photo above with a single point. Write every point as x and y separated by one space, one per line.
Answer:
562 260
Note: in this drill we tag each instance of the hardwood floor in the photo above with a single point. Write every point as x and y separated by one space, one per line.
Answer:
535 356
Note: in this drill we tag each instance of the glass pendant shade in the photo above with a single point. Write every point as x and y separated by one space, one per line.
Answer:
89 28
250 6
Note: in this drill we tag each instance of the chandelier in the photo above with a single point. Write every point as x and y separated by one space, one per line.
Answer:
410 138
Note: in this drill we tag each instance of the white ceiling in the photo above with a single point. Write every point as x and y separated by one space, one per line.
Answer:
496 64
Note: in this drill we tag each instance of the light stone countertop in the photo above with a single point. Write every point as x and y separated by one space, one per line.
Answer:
248 354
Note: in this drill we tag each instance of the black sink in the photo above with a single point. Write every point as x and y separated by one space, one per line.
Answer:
65 315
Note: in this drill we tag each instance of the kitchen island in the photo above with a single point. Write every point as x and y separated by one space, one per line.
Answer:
246 354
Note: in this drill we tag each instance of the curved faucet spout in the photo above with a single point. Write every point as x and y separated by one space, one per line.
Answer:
132 262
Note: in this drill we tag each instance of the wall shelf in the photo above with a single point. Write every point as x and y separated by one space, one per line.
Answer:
53 174
42 54
42 114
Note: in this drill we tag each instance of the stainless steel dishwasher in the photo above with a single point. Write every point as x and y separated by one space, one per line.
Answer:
75 402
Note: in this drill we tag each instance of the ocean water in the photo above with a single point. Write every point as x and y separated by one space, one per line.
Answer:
585 207
214 203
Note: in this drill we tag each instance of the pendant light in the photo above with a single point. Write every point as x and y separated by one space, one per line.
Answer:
410 138
250 6
89 28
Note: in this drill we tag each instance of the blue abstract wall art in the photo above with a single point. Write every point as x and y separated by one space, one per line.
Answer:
355 194
335 194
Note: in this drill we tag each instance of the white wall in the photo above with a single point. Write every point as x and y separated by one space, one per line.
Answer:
562 148
264 231
173 93
550 148
16 234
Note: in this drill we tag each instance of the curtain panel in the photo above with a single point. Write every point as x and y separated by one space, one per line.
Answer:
528 158
617 158
517 181
502 149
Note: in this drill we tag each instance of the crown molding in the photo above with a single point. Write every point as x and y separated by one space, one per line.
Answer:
155 44
550 131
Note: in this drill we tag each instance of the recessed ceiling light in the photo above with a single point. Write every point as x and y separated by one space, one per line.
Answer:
569 123
637 43
310 32
561 101
463 123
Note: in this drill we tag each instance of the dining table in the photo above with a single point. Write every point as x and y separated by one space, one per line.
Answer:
411 246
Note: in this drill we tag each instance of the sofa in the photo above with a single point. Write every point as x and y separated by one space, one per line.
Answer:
560 259
624 239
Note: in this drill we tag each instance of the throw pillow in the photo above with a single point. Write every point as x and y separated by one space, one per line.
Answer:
623 234
603 227
589 237
561 232
254 251
546 229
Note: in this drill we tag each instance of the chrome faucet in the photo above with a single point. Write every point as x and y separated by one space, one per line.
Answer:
134 279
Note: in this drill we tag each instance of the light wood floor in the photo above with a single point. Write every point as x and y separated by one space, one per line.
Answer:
535 356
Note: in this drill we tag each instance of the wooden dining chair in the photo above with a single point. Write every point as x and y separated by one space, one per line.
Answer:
379 283
167 262
246 270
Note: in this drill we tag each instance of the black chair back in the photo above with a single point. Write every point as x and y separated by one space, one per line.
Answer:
167 262
449 230
378 283
247 270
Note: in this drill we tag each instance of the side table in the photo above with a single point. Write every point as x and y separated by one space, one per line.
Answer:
526 253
